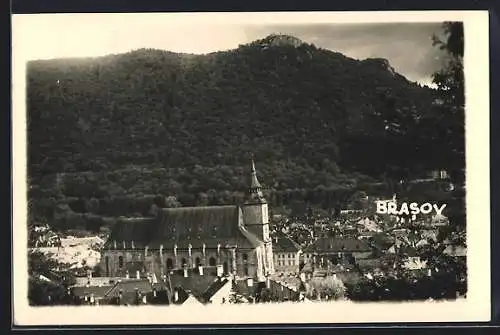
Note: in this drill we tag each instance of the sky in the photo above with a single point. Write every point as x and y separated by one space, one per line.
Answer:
407 46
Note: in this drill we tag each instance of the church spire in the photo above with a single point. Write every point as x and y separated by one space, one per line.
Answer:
254 181
255 190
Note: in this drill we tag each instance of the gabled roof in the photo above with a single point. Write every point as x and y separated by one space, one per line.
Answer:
283 243
128 286
195 283
213 289
333 244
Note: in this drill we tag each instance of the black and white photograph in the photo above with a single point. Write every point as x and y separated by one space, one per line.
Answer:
273 167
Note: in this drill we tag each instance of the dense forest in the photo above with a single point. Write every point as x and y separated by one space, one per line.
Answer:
117 135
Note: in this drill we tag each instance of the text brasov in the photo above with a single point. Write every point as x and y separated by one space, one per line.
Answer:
384 207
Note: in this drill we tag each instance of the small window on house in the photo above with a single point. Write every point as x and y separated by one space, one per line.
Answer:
120 261
211 261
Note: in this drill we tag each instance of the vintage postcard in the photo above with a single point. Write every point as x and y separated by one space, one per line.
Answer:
242 168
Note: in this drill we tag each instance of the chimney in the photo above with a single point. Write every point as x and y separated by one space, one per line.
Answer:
132 244
137 274
124 245
127 275
176 296
200 269
185 272
219 271
250 282
114 244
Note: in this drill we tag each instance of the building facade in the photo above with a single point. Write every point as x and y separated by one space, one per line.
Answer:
234 239
287 255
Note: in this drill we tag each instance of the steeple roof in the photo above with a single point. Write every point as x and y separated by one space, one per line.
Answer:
255 190
254 181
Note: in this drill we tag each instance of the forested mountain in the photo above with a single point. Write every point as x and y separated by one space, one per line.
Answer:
109 131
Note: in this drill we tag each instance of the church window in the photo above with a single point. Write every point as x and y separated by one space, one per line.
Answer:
120 261
198 261
245 264
106 259
170 264
211 261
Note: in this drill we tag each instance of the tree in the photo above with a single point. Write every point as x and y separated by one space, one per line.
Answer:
330 287
450 121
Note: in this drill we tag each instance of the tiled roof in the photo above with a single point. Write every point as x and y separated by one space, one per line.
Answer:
283 243
213 289
194 283
382 241
97 291
332 244
181 227
128 286
131 229
188 222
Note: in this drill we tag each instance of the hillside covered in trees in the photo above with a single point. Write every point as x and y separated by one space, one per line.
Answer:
113 135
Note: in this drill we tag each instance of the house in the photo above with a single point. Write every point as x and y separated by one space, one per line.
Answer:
218 292
348 247
121 292
407 256
233 237
455 250
287 255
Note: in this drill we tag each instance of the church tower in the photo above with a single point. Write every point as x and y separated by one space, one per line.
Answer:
256 217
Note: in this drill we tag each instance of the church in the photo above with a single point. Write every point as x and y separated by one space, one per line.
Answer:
234 239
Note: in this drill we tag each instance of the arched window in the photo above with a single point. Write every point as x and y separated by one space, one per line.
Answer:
245 264
184 262
212 261
106 260
198 261
170 264
120 261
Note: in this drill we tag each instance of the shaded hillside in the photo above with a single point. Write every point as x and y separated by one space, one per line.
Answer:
311 117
